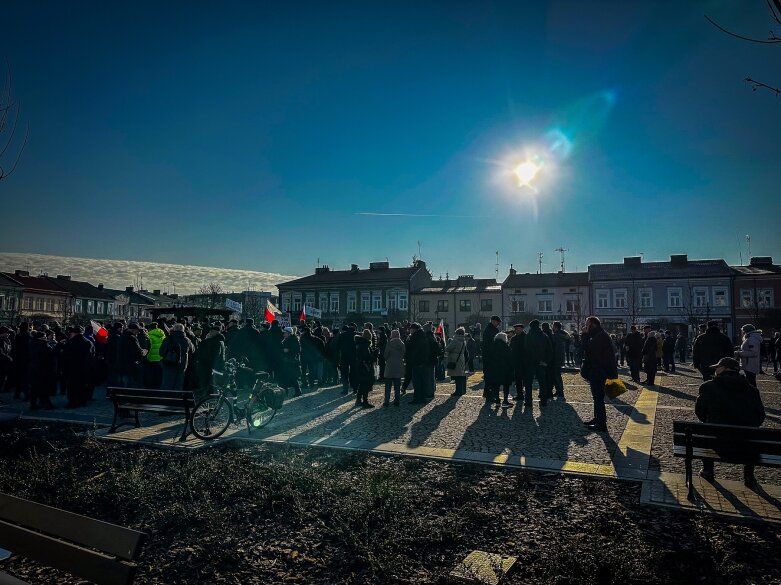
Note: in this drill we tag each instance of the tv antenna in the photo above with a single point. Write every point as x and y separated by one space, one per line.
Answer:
420 255
539 262
497 265
561 251
748 241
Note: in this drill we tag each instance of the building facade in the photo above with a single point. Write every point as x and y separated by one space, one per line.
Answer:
41 299
10 299
86 301
377 294
757 295
556 296
464 301
680 294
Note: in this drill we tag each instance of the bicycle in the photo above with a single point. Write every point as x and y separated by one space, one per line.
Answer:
214 413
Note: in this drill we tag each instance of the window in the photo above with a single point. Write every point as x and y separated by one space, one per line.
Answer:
39 306
352 302
28 303
674 297
78 306
646 298
110 308
403 301
335 303
365 302
746 298
518 306
720 297
603 299
619 298
376 301
323 302
297 303
50 305
699 296
545 305
765 298
91 307
487 305
423 306
573 306
310 300
465 306
101 306
392 304
286 302
442 306
2 301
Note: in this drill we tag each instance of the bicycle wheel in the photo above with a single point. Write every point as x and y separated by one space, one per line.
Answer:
259 413
211 417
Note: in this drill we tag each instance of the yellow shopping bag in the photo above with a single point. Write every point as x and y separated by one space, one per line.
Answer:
614 388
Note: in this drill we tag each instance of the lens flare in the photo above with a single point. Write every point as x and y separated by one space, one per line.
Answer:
526 172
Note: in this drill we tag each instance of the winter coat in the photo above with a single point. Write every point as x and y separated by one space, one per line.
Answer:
560 340
649 350
418 350
709 348
209 356
729 399
156 337
129 354
749 352
518 349
185 350
472 347
456 352
365 358
346 348
537 348
77 359
394 358
599 357
435 348
291 361
43 365
488 336
498 364
5 354
634 345
659 345
669 345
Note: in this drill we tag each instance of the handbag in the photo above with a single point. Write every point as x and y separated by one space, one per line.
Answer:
452 365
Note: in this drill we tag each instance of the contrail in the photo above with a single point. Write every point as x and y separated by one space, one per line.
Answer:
374 214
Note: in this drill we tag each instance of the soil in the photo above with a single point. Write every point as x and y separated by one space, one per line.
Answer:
277 514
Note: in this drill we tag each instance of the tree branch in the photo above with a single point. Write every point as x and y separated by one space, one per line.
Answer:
775 9
771 40
757 84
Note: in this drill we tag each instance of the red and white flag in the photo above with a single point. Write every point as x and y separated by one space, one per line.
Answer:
271 311
441 328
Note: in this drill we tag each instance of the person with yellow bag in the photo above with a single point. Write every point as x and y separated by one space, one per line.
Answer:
599 365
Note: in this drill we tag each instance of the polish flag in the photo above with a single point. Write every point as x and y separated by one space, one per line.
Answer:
271 311
100 332
302 316
441 328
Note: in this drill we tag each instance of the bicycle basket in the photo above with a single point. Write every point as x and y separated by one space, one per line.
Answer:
274 396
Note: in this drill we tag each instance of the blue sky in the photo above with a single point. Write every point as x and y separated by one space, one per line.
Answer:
248 135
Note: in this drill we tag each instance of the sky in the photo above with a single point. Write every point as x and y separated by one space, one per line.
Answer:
270 136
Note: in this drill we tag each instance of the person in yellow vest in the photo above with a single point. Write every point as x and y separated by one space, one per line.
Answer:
153 369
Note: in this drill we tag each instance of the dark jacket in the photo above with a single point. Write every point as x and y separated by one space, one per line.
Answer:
346 348
649 350
518 349
185 350
560 340
43 364
129 354
634 345
488 336
710 347
537 348
668 347
599 356
498 364
291 361
435 348
418 349
729 399
365 357
5 354
77 359
209 356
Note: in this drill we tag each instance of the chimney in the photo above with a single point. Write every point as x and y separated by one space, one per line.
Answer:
100 286
679 258
21 273
156 292
322 269
174 296
513 271
354 268
129 289
761 261
419 264
633 261
379 266
63 277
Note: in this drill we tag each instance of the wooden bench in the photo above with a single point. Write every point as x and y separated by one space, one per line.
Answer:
726 443
87 548
145 400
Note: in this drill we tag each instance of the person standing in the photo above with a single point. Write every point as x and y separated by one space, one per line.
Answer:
346 355
417 356
365 358
776 349
382 343
538 352
394 366
291 361
490 333
668 352
729 399
498 369
680 347
634 352
435 354
472 348
129 357
749 353
43 372
560 340
649 357
709 348
20 352
77 361
6 361
176 351
153 369
517 347
456 356
599 365
209 356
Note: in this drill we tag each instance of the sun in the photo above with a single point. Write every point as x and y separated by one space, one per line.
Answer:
526 172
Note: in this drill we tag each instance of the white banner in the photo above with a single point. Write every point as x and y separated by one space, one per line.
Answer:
233 305
312 312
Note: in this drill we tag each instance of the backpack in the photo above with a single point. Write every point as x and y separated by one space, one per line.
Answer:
173 354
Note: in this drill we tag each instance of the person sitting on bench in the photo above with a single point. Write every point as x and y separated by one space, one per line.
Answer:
729 399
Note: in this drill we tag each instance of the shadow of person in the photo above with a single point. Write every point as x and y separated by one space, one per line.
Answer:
429 422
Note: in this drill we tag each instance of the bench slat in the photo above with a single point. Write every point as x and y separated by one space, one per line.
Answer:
150 392
730 457
749 446
726 431
152 401
82 562
110 538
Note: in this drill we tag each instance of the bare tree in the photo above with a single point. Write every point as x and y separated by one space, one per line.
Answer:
633 308
774 6
11 146
210 294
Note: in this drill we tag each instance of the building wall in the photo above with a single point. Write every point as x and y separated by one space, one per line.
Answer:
453 315
568 304
753 297
673 302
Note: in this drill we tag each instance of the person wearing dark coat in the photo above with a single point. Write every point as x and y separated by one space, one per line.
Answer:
634 352
436 349
77 356
230 334
312 350
729 399
112 353
490 333
559 339
599 365
176 353
382 343
332 358
365 358
517 345
209 356
472 349
20 352
649 357
538 353
43 371
417 357
6 361
498 369
709 348
129 358
290 368
346 355
275 354
246 344
668 352
264 348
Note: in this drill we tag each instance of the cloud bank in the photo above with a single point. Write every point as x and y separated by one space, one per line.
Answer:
118 274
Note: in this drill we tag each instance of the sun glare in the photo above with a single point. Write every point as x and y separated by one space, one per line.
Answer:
526 172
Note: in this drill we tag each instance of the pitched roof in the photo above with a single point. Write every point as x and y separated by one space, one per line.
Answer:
135 297
659 270
35 283
8 282
325 276
759 266
546 280
462 285
80 288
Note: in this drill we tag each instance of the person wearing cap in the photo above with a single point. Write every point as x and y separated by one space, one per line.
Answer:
729 399
291 361
709 348
77 356
749 352
490 332
599 365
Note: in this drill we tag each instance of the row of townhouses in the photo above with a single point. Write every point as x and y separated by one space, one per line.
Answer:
678 294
